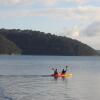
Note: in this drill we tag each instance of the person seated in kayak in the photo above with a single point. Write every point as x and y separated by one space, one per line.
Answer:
64 71
55 72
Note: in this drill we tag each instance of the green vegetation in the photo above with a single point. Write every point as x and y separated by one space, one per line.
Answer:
38 43
8 47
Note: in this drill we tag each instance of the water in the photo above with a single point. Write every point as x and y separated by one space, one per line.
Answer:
27 78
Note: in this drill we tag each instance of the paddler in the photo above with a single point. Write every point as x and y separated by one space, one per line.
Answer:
64 71
55 72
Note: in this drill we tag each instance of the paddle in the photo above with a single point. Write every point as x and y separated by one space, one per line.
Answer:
55 68
51 68
66 67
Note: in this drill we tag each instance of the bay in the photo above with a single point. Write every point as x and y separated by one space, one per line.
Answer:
27 78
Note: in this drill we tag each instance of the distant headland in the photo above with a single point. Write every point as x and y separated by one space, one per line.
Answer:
28 42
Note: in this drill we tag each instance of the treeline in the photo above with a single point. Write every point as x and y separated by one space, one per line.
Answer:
30 42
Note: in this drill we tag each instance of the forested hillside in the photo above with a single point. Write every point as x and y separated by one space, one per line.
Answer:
40 43
8 47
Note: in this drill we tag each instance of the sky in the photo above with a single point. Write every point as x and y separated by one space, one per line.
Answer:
77 19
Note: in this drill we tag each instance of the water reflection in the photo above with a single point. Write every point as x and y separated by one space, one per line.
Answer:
62 78
55 78
60 87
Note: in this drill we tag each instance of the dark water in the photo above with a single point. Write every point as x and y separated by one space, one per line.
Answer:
27 78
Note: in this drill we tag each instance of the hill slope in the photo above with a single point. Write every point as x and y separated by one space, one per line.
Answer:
39 43
8 47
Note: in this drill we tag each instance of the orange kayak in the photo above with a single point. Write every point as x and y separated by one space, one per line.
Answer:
62 75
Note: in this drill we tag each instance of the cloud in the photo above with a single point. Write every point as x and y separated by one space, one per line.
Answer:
90 35
86 1
81 13
47 2
14 2
73 32
17 13
81 1
92 30
42 2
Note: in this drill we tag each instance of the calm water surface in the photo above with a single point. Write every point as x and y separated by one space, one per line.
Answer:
27 78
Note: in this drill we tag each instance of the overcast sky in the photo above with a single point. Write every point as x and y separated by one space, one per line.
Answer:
78 19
